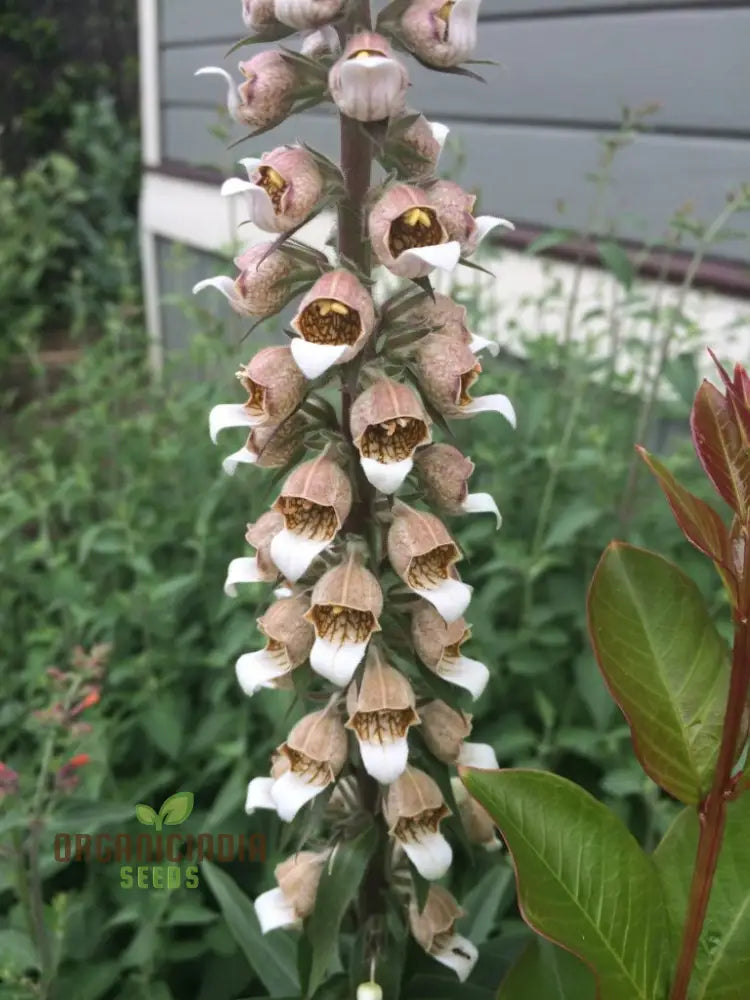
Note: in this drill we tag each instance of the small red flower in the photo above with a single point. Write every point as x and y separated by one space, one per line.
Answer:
79 760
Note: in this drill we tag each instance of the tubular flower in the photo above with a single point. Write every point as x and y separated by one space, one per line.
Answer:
447 370
381 710
258 14
423 554
455 207
269 445
476 821
275 389
259 789
366 82
441 33
388 423
260 567
283 188
334 321
445 731
304 14
289 639
444 316
314 501
266 95
323 42
407 234
438 645
293 899
414 808
345 606
435 930
424 143
260 288
316 751
445 473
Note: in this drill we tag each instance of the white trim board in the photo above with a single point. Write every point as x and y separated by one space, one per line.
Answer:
148 53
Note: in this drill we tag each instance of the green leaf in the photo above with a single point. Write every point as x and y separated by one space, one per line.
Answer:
571 523
617 261
338 886
176 808
546 971
665 665
485 900
722 965
145 814
583 881
17 951
272 957
548 240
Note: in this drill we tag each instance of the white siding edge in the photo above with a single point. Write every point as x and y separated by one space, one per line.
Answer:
150 93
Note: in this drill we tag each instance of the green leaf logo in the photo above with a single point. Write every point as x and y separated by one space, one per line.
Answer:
174 810
145 814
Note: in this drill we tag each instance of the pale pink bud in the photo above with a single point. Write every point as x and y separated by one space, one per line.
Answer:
258 568
441 33
320 43
261 287
334 321
315 501
366 82
447 370
445 473
414 808
425 141
423 554
381 710
407 234
438 645
266 95
476 821
293 900
316 750
283 188
258 14
289 639
388 423
269 445
346 604
455 207
434 929
304 14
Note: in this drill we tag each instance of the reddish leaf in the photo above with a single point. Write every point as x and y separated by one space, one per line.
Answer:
721 450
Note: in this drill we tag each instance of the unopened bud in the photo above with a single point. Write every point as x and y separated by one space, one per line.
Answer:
261 288
438 645
445 473
266 95
297 881
258 14
321 43
418 148
434 928
476 821
444 730
407 234
305 14
369 991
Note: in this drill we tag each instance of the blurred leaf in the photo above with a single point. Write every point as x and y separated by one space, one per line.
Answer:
552 238
549 972
616 260
17 951
492 893
574 520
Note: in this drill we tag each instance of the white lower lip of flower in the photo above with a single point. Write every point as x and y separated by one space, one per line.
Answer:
451 598
477 344
259 795
233 98
496 403
486 223
257 670
290 792
472 675
230 415
459 954
222 283
385 761
260 206
241 457
431 855
439 133
274 910
243 570
293 553
314 359
386 476
281 592
336 661
443 256
481 503
371 88
478 755
462 26
492 845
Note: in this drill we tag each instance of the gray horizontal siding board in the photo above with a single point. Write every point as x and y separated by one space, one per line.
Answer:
584 70
552 7
530 169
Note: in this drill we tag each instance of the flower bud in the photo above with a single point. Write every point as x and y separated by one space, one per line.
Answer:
407 234
283 188
304 14
334 321
445 731
366 82
388 423
414 808
258 14
381 710
316 750
314 501
345 606
418 148
435 930
9 781
440 33
321 43
369 991
297 881
454 205
266 95
476 821
423 554
444 316
260 290
289 639
269 445
447 370
260 567
438 645
445 473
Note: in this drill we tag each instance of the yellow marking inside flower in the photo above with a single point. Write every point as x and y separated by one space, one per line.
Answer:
365 54
328 321
453 652
308 519
273 184
416 227
445 11
393 440
416 216
433 568
467 381
342 625
256 402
